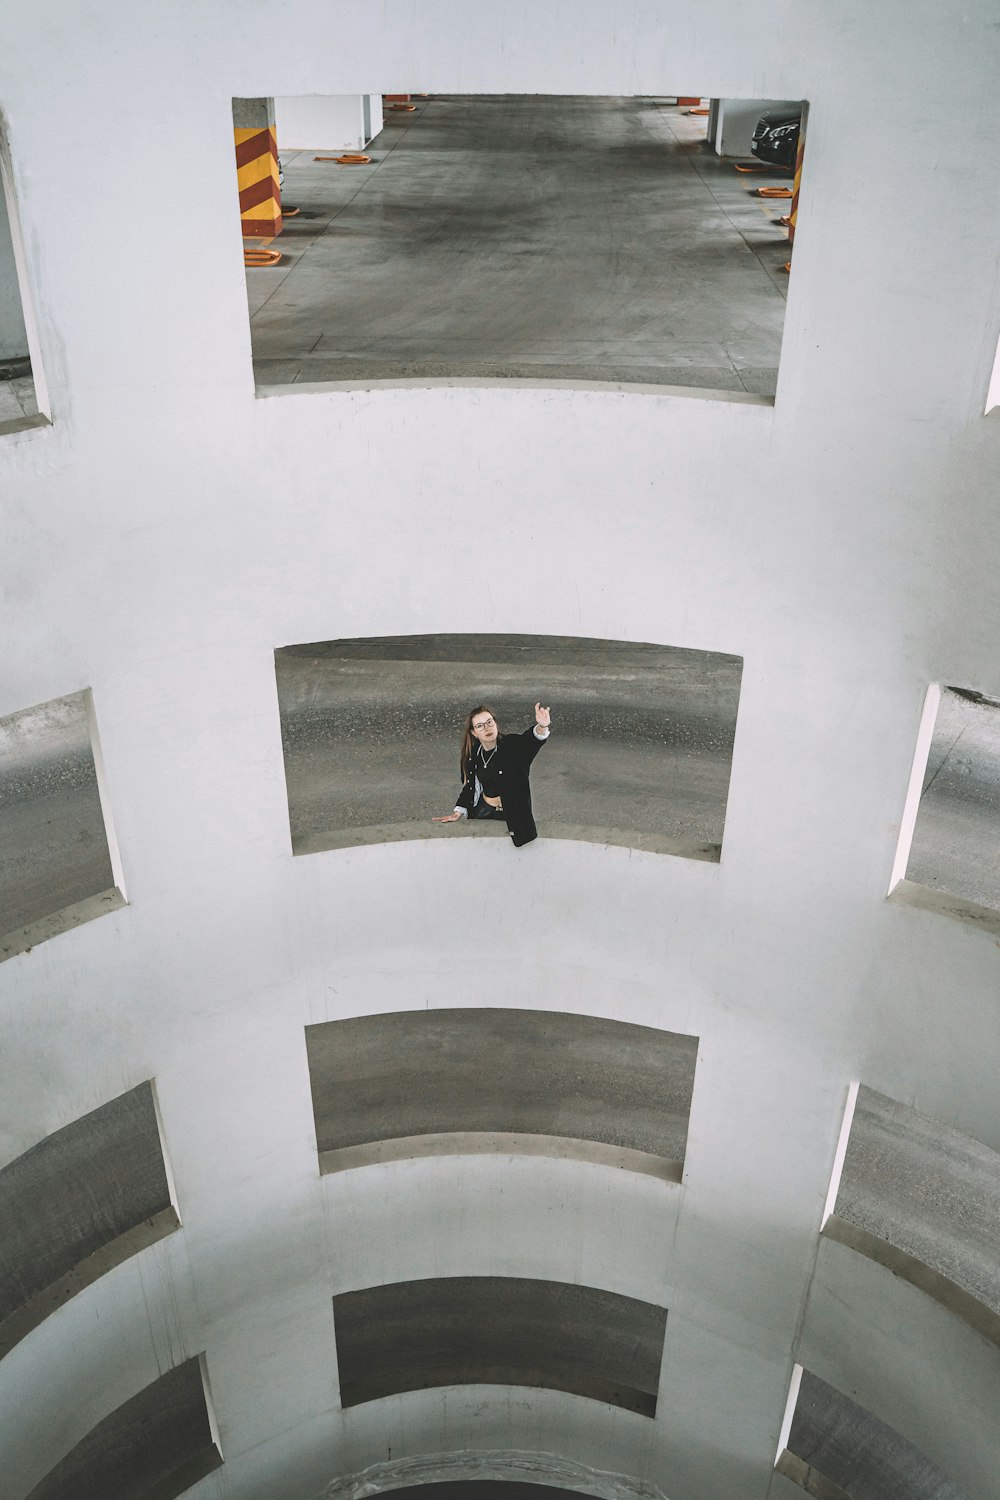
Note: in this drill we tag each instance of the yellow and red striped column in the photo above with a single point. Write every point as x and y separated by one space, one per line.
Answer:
257 168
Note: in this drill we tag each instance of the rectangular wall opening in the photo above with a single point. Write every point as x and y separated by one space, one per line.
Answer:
59 862
578 240
23 396
948 858
639 753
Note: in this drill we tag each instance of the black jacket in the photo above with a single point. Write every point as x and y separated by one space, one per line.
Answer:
514 755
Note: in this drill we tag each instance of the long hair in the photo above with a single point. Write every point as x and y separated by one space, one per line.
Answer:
469 739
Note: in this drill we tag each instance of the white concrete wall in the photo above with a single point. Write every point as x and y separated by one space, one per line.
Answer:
327 122
737 119
169 530
374 115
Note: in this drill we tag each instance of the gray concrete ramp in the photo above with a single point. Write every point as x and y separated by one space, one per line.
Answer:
499 1330
454 1082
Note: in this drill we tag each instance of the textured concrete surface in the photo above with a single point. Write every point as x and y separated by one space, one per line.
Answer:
924 1200
537 1471
499 1330
415 1082
956 843
838 1451
53 845
484 1489
80 1202
639 753
568 238
153 1447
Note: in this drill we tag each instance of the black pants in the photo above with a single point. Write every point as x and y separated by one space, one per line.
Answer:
483 809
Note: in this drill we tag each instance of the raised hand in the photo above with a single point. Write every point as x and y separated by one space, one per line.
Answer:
542 716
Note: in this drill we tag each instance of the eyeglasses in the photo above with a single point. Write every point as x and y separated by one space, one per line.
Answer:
484 723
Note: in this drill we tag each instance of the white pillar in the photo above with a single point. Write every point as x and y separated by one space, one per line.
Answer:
327 122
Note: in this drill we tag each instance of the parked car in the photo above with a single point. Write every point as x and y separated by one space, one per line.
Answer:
776 137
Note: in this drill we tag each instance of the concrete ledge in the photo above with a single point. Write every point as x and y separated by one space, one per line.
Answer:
395 833
24 424
911 893
480 383
983 1319
26 938
498 1143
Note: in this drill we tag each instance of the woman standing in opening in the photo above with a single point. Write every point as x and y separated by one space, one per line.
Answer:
495 770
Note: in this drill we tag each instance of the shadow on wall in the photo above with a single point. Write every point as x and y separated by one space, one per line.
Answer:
640 752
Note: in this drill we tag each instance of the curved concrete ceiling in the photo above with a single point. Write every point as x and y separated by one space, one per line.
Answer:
168 529
436 1082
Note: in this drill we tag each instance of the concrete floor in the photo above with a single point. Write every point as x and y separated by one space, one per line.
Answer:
17 400
562 238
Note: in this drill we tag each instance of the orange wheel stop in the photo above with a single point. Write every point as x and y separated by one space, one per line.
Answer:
257 255
349 159
752 166
769 192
